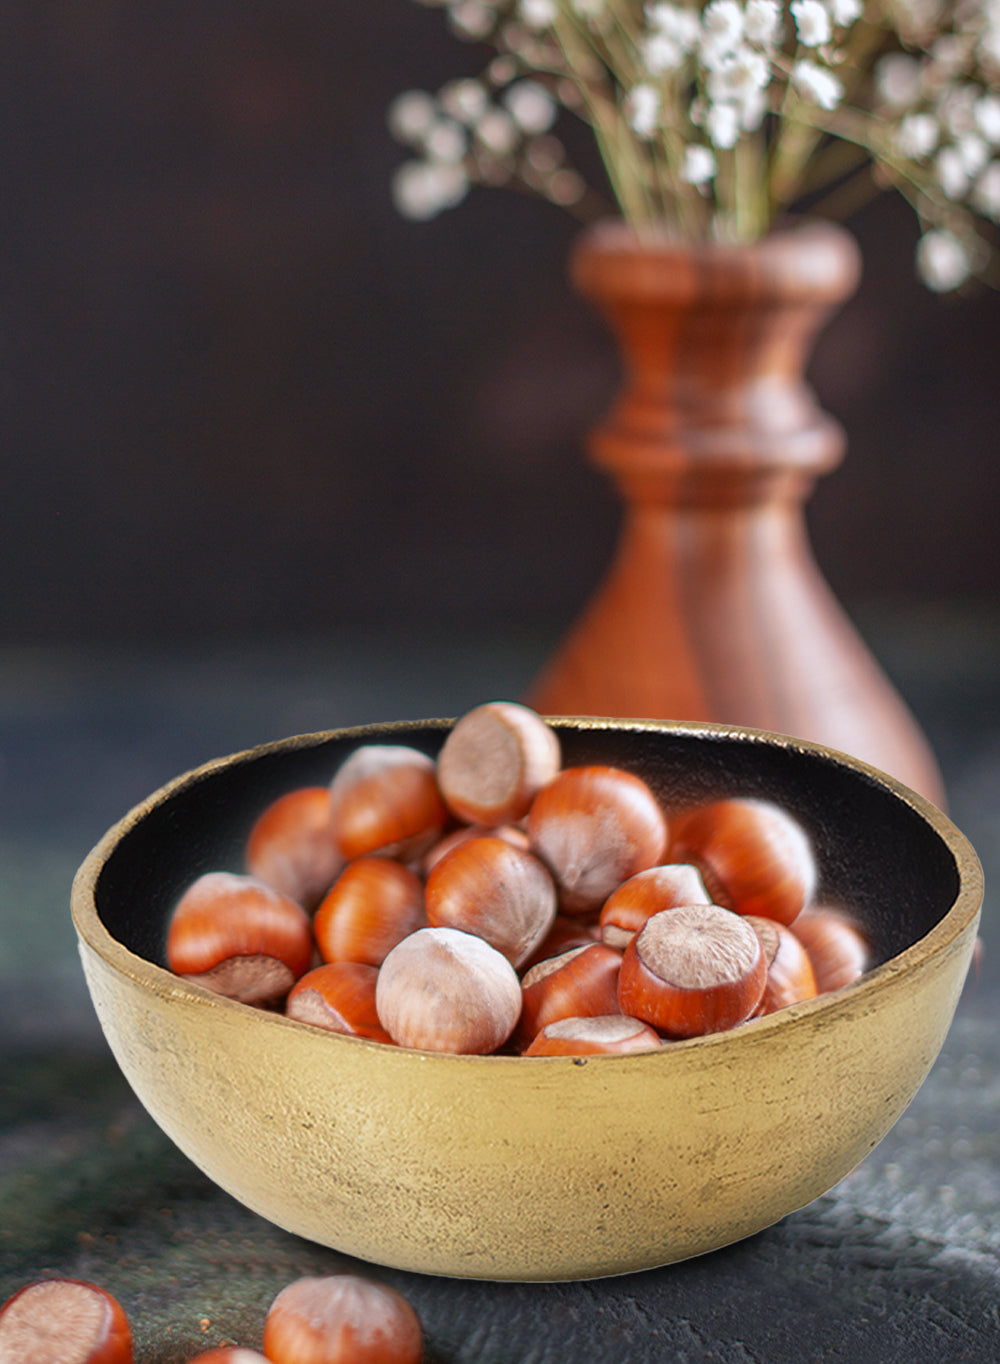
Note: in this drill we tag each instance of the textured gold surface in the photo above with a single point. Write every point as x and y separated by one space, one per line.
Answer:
551 1168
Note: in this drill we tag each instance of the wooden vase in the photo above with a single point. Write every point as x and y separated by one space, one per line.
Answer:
714 607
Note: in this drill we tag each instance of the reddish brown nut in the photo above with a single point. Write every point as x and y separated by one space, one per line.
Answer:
754 857
594 827
647 893
444 990
510 833
693 970
64 1321
339 997
292 848
838 949
611 1034
372 906
790 976
501 893
565 933
582 982
229 1354
341 1319
239 937
494 761
385 799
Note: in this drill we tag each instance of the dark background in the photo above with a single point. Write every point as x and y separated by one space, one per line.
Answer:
242 395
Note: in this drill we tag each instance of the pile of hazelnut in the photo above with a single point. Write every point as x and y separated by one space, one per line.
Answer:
328 1319
494 901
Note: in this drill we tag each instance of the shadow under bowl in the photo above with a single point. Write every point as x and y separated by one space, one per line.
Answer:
504 1167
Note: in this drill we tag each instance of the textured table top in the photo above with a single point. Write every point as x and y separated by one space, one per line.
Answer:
901 1261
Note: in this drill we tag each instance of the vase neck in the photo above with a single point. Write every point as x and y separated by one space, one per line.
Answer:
714 343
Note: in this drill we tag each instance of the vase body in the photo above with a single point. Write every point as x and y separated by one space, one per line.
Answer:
714 607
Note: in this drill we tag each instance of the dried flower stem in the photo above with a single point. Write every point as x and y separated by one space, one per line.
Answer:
714 118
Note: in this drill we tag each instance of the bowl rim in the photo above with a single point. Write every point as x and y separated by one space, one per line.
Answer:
962 915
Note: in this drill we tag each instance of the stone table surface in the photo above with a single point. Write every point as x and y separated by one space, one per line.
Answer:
901 1261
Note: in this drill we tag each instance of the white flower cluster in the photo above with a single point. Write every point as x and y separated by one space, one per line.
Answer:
729 54
713 117
463 134
942 106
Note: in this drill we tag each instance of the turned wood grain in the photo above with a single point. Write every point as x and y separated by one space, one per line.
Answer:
713 607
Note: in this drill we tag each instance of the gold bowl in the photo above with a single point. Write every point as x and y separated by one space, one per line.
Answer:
501 1167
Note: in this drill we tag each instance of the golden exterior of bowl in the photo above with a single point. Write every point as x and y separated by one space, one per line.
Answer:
548 1168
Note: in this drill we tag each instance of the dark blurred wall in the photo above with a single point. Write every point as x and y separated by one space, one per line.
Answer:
240 393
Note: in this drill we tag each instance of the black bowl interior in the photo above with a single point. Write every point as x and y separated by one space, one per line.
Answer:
878 855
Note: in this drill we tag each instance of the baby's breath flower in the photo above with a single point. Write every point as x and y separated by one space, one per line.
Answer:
845 12
988 47
471 19
974 153
916 18
445 140
812 22
739 77
501 70
531 106
987 113
722 31
817 84
566 187
951 173
671 86
985 195
917 136
898 82
950 55
464 100
545 153
722 123
423 189
956 108
497 131
661 53
942 260
699 165
677 22
762 23
642 109
539 14
411 114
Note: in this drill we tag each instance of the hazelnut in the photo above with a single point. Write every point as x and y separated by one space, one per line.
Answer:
444 990
692 970
385 799
341 1319
339 997
648 893
291 846
594 827
510 833
611 1034
790 975
239 937
501 893
580 982
494 761
836 946
754 857
372 906
64 1321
